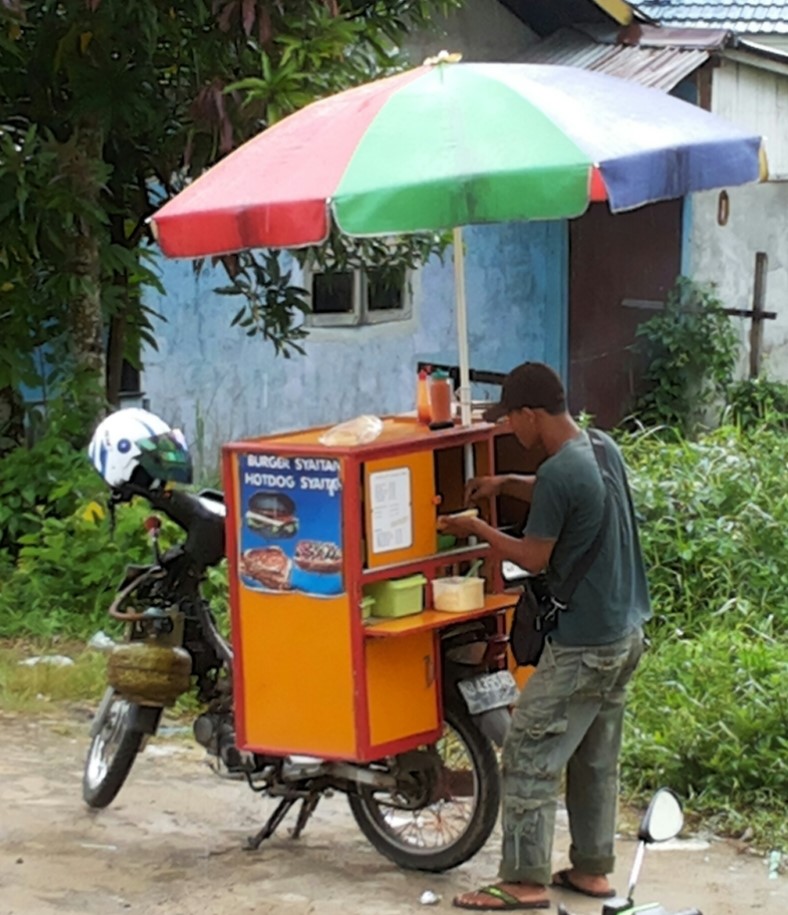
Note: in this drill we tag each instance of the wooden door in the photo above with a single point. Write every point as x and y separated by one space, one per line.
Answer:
620 269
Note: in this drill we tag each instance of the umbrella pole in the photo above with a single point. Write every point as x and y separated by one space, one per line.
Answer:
462 327
462 344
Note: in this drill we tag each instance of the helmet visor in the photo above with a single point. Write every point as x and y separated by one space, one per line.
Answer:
166 457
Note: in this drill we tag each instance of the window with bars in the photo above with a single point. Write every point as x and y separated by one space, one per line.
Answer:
353 298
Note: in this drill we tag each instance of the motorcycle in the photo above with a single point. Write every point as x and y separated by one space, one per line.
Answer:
662 820
430 809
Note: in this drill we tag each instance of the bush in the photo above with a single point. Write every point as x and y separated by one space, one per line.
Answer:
47 480
691 349
52 476
708 711
759 402
709 717
714 514
66 573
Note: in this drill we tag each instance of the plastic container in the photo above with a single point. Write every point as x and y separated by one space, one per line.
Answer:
397 597
367 605
446 542
423 412
458 594
356 431
441 397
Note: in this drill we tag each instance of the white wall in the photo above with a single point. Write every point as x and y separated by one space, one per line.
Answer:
726 255
756 99
758 221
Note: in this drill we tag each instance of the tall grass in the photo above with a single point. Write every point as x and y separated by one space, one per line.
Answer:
709 706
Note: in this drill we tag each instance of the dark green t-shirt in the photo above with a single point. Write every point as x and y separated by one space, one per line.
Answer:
568 504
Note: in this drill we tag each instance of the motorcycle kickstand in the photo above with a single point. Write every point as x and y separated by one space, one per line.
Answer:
254 842
308 806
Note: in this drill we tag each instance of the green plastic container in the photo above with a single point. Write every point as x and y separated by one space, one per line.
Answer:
397 597
446 542
367 603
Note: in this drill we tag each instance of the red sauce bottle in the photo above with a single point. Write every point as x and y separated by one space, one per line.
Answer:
441 396
423 412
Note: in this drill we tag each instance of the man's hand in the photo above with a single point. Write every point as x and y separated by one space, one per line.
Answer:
461 524
480 488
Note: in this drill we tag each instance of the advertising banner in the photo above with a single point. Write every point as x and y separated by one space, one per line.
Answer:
291 524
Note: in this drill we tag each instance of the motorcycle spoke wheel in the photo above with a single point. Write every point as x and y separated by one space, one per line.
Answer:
111 755
458 818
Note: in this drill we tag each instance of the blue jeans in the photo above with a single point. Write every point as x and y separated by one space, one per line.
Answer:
569 715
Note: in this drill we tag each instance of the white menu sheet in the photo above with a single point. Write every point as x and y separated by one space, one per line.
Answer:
392 516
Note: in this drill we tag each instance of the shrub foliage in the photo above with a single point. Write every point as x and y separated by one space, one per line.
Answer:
708 712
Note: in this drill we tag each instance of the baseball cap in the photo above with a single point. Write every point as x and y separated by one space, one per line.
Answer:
532 384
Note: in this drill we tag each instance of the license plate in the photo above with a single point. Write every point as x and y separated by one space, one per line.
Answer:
489 691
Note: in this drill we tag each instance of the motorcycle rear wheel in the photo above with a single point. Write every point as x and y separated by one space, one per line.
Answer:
111 755
423 839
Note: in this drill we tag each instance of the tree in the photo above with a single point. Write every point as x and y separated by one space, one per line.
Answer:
106 108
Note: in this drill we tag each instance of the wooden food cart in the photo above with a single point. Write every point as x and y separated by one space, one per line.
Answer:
312 532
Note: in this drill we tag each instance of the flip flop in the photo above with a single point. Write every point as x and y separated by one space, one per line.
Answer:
563 881
508 903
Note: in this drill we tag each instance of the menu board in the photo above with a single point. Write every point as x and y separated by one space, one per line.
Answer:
291 524
390 504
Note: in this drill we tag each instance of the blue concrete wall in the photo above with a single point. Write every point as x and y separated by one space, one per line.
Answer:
219 385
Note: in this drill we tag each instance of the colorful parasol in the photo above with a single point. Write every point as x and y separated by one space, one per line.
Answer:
452 144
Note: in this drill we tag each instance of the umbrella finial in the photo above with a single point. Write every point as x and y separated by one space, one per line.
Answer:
443 57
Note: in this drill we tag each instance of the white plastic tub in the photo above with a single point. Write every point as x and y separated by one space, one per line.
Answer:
458 594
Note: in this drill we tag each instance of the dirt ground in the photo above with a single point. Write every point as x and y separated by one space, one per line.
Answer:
172 843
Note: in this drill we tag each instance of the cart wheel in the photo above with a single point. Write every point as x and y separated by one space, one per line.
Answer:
111 755
443 832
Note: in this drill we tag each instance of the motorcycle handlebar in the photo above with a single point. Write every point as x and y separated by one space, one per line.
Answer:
203 526
179 506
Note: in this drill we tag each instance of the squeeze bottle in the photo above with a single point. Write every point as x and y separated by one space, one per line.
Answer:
441 396
423 412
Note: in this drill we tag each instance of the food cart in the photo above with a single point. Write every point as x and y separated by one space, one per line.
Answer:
316 534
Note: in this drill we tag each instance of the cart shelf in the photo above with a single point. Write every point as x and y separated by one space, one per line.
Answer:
430 564
437 619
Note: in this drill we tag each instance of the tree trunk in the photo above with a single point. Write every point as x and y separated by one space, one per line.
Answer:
12 420
115 349
87 322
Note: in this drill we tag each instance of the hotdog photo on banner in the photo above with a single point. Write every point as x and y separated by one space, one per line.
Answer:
291 524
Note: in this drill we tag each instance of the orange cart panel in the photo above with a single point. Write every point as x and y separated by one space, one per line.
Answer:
297 674
411 477
401 687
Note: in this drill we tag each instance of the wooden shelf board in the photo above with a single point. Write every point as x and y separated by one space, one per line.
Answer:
435 619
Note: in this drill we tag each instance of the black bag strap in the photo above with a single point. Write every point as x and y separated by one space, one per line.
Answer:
564 593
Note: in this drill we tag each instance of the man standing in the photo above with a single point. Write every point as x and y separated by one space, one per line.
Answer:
570 714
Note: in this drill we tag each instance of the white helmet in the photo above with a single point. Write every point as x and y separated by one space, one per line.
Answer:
135 446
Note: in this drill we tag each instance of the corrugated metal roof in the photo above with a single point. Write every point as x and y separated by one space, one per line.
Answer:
660 68
651 36
768 17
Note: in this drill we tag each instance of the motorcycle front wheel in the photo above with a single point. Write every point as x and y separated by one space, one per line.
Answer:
459 817
112 752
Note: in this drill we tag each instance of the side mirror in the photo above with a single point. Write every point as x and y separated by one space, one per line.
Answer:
664 818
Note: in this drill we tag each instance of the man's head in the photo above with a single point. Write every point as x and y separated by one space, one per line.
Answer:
531 394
